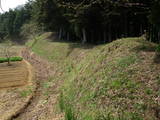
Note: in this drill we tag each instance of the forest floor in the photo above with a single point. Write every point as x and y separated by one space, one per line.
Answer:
119 80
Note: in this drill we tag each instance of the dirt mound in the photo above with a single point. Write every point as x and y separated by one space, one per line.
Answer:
15 75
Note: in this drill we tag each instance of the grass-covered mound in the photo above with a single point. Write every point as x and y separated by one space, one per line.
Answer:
116 81
12 59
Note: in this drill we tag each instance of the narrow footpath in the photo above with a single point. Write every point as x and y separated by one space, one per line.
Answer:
43 106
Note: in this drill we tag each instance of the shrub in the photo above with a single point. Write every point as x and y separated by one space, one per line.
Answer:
26 93
16 59
2 60
13 59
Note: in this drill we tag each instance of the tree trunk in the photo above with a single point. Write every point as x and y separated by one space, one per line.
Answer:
92 36
63 34
141 30
104 36
125 25
68 36
109 33
8 58
100 37
60 34
159 37
9 62
150 34
84 36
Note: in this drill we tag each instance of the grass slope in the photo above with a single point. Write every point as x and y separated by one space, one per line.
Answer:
116 81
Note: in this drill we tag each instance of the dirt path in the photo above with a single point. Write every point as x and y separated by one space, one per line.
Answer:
43 105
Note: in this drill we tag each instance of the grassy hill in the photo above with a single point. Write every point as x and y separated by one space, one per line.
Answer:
115 81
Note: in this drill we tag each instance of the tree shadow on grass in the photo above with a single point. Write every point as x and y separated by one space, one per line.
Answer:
53 37
157 58
148 47
145 46
72 46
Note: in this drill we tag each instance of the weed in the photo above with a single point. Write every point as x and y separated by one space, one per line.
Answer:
134 116
69 114
140 106
61 102
26 93
69 68
121 116
148 91
158 49
116 84
131 84
126 61
102 116
158 80
46 85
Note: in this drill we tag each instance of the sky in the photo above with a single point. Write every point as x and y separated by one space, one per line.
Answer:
6 4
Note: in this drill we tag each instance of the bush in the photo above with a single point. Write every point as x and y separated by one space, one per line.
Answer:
13 59
2 60
16 59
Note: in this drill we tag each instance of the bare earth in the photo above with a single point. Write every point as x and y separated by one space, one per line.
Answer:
16 88
14 75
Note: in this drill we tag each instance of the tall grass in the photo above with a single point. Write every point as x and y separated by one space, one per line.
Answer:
67 108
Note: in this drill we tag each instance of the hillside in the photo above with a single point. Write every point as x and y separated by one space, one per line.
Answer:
119 80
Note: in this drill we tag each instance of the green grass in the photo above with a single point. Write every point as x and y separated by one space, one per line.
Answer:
126 61
27 92
104 82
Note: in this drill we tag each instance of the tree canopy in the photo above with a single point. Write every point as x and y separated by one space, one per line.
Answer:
92 21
